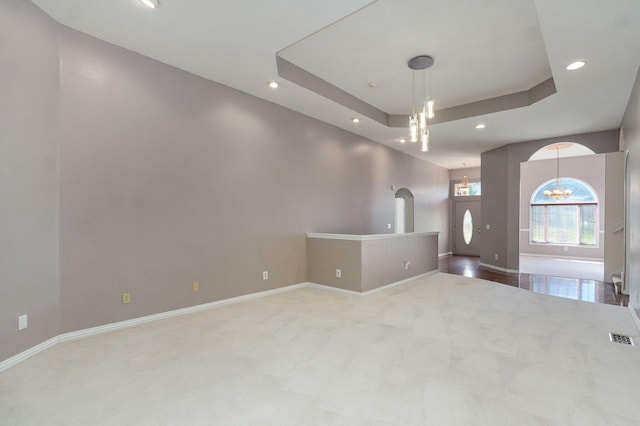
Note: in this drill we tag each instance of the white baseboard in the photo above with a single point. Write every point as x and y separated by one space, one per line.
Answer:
368 292
498 268
397 283
325 287
634 315
18 358
449 253
554 256
74 335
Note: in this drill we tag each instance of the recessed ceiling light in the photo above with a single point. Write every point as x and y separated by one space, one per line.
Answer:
273 84
576 65
480 126
402 140
355 119
150 3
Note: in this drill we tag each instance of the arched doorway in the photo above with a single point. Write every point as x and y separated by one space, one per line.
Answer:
404 211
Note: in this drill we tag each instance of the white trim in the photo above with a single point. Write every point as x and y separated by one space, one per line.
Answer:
554 256
74 335
334 289
397 283
368 237
18 358
635 317
498 268
449 253
374 290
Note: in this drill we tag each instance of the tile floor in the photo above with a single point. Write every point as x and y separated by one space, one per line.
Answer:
440 350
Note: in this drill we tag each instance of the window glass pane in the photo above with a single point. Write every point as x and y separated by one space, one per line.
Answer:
537 224
588 216
580 193
475 188
467 227
562 224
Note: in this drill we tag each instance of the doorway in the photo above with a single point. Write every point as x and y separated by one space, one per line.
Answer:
404 211
466 228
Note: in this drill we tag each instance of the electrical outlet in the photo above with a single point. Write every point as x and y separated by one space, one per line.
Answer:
566 248
22 322
126 298
495 256
196 286
407 263
388 226
488 226
265 275
338 273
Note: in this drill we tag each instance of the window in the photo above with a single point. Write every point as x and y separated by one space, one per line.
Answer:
460 191
467 227
572 220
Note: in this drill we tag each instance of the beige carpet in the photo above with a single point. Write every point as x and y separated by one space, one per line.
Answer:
441 350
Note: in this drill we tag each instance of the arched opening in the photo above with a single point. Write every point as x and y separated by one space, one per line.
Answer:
571 219
404 211
563 227
569 149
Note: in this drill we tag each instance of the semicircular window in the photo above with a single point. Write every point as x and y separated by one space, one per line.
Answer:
564 211
579 192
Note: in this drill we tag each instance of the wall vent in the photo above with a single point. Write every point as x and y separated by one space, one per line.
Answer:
619 338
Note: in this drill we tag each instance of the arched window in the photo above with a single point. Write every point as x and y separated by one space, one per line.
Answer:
572 219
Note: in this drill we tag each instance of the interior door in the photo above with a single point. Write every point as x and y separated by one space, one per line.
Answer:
466 228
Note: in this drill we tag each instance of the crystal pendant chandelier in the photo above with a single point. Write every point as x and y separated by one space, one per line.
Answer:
418 120
464 189
557 193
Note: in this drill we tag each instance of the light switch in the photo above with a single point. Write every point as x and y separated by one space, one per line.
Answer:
22 322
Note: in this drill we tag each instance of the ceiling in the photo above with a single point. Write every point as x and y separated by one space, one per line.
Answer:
486 53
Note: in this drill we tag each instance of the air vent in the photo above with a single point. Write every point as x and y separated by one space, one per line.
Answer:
619 338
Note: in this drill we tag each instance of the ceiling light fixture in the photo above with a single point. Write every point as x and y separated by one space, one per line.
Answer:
576 65
464 188
418 121
273 84
355 120
480 126
557 193
402 140
153 4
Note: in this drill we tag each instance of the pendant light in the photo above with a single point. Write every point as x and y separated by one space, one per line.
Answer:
557 193
418 121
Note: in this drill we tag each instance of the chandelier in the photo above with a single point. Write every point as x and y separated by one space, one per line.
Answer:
464 189
418 120
557 193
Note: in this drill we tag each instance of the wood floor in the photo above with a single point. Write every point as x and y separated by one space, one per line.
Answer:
571 288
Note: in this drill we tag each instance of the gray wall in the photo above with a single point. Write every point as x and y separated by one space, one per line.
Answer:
371 263
472 173
29 182
614 217
501 192
164 179
631 132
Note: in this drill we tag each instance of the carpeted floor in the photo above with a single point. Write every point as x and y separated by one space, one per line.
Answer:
440 350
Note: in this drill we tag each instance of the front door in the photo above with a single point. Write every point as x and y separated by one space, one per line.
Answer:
466 228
